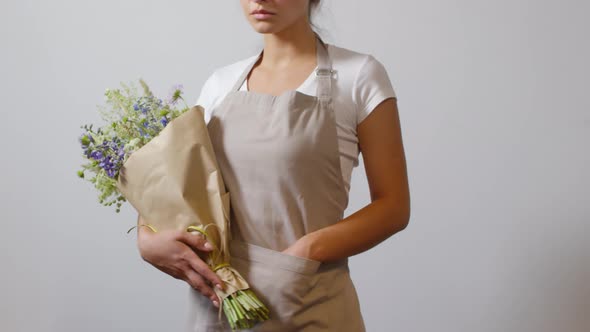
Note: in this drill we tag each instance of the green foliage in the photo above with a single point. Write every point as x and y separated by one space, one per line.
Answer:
132 119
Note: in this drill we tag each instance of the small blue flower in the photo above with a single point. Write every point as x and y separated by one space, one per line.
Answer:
143 133
96 155
164 121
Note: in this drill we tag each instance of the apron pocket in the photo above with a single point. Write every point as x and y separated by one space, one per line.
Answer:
275 258
280 280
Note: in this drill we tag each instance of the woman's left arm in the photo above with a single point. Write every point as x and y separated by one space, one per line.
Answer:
380 141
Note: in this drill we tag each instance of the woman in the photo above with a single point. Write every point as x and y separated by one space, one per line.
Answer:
287 125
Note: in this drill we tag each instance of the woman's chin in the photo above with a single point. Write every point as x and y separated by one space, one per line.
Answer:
265 28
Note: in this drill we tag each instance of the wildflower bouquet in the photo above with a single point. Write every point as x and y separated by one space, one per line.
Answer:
159 158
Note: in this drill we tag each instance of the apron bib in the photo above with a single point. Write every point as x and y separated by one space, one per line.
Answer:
279 158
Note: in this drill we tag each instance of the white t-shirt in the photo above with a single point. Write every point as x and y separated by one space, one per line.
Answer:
360 85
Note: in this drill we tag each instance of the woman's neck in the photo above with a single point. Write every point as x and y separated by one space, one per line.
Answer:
289 47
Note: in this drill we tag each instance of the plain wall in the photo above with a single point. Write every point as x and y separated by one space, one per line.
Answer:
493 100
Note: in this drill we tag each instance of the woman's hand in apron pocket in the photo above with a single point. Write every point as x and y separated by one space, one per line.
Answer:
300 249
174 253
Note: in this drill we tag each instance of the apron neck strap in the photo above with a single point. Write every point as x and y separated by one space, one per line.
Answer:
323 72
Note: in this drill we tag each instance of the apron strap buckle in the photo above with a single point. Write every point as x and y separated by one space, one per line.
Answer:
324 72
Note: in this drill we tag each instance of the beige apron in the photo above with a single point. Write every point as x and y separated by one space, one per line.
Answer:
279 159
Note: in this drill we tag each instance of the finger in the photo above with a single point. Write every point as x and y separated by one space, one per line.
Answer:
197 282
195 240
202 268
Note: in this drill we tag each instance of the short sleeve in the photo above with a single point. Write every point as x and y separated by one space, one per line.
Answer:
371 86
207 97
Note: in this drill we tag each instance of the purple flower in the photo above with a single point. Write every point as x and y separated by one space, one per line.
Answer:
111 172
108 165
143 133
143 104
96 155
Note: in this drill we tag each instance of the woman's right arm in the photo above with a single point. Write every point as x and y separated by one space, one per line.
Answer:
174 253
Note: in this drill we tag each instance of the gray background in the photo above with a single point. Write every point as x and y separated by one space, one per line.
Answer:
493 99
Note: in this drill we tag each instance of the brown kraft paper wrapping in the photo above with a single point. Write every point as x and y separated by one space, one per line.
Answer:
174 182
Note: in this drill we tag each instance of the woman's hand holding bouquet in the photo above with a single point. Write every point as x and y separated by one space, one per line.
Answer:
177 253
